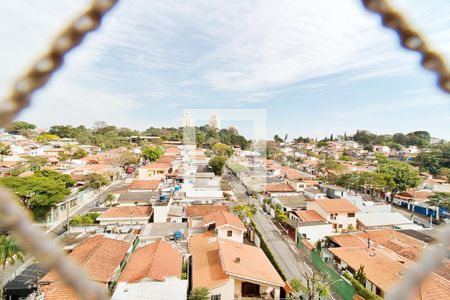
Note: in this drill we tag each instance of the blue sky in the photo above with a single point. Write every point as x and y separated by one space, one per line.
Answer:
317 67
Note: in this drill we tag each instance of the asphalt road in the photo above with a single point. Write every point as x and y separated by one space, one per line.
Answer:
291 265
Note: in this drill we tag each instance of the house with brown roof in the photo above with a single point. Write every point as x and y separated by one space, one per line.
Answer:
101 257
383 269
230 269
280 189
225 224
144 185
130 215
339 212
156 170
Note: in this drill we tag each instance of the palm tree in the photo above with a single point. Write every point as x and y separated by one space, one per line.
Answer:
200 293
4 150
9 254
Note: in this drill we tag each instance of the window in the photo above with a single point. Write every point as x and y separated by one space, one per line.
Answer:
229 233
216 297
340 226
351 215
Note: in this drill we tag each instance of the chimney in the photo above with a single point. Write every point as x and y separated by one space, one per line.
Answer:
237 260
368 242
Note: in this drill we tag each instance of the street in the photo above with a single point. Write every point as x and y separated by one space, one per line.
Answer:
284 255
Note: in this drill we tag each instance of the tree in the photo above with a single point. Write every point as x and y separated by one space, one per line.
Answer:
4 150
152 154
296 285
39 193
64 178
440 199
45 138
199 293
361 275
35 162
277 138
110 199
245 212
95 181
86 219
79 153
217 163
317 285
280 215
222 150
10 252
429 162
19 127
399 176
330 165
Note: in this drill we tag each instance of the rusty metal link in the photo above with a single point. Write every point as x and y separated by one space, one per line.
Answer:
15 219
42 70
412 40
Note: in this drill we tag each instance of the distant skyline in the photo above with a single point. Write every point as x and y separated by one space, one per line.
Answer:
316 67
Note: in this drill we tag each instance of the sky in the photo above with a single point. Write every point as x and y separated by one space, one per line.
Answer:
315 67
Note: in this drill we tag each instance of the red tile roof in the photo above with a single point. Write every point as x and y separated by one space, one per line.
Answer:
151 185
221 218
98 255
203 210
309 215
126 212
279 187
336 205
155 261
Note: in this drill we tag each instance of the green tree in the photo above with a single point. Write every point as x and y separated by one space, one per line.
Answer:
440 199
317 285
245 212
56 176
400 176
4 151
45 138
86 219
110 199
79 153
217 163
222 149
152 154
96 181
19 127
199 293
429 162
330 165
361 275
280 215
35 162
296 285
277 138
10 253
39 193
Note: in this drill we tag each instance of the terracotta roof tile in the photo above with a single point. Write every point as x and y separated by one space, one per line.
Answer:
144 185
126 212
98 255
203 210
221 218
155 261
309 215
336 205
279 187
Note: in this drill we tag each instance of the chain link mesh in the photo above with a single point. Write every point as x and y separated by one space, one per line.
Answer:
412 40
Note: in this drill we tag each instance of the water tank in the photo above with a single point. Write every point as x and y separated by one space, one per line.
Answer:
163 197
177 188
178 234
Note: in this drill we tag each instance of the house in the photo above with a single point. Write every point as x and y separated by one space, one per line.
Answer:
377 220
313 193
152 265
144 185
383 269
154 170
280 189
289 203
126 215
225 224
230 269
193 211
340 212
101 257
152 232
334 191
